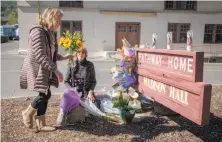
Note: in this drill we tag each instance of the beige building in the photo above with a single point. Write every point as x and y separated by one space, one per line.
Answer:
105 23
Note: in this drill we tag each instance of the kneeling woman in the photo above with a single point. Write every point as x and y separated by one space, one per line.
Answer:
81 75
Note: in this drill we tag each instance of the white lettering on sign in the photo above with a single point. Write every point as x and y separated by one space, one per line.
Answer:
178 95
157 86
173 62
183 64
172 92
190 61
150 59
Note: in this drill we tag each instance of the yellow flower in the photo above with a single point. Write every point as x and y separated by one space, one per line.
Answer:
79 44
67 43
136 46
60 95
61 41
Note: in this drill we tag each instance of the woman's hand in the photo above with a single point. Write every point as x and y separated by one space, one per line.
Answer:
91 96
68 56
59 75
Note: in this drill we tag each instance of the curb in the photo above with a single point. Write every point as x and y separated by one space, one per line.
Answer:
100 60
58 93
96 59
22 52
29 96
216 85
217 64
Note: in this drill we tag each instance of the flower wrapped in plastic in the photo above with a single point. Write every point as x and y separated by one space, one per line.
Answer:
70 99
116 72
129 52
71 42
128 80
127 66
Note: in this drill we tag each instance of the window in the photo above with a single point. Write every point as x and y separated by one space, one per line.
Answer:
180 5
78 4
133 28
73 26
179 31
213 33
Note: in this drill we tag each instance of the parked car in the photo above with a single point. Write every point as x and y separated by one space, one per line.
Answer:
8 30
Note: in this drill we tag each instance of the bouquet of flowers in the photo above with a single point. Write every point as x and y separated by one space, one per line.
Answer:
71 42
125 97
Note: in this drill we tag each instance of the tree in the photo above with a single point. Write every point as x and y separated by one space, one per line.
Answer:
13 17
9 13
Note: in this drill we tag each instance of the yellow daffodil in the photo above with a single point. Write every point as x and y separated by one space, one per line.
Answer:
67 43
61 41
79 44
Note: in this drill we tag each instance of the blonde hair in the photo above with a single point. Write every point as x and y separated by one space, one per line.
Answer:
49 17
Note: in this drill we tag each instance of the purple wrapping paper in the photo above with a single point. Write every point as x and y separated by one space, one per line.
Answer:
126 79
129 52
130 80
70 100
123 65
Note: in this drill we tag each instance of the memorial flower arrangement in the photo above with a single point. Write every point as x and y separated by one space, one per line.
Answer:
123 102
71 42
124 76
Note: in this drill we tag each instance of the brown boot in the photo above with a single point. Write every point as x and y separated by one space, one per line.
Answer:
28 116
41 124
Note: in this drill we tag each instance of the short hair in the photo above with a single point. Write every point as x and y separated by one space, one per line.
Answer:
49 17
83 50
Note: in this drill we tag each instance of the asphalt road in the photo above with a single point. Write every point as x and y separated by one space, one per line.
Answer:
11 63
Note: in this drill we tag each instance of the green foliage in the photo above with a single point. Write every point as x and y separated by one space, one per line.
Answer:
13 17
121 103
9 12
78 36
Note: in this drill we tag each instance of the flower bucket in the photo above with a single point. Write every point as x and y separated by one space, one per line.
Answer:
127 115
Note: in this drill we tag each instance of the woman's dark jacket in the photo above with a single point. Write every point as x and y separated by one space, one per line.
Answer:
89 82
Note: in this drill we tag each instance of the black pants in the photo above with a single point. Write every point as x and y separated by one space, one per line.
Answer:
40 103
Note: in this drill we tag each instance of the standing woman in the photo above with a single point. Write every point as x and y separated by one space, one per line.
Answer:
39 70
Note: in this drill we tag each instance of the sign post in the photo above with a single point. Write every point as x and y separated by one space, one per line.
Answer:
174 78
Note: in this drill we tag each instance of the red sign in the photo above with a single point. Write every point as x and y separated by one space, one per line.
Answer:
175 64
179 92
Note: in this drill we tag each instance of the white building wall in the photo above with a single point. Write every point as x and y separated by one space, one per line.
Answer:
99 29
209 6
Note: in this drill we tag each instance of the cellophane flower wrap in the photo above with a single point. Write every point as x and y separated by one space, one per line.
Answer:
69 100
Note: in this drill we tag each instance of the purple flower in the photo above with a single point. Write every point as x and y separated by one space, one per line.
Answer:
123 65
